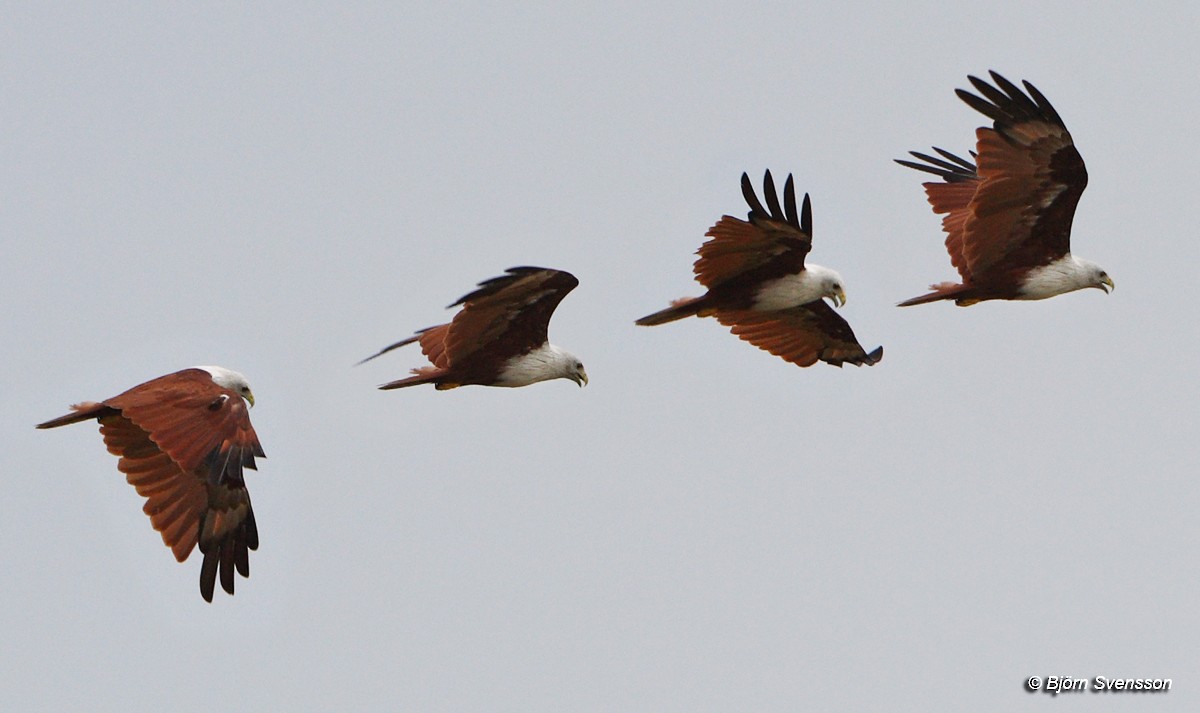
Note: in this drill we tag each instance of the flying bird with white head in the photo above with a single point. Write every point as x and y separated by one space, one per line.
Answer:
759 285
1008 215
500 337
183 441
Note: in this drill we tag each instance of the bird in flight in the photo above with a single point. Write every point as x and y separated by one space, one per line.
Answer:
1008 214
183 441
759 285
499 337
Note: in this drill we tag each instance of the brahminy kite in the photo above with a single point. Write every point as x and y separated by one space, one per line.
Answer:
499 337
1008 221
183 440
759 286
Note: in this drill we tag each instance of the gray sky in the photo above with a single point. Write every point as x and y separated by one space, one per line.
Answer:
284 190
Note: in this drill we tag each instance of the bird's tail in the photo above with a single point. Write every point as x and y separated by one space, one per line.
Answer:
421 375
685 307
79 412
941 291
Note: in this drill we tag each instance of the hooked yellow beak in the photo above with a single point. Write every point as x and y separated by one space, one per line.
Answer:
250 398
581 378
1106 280
839 297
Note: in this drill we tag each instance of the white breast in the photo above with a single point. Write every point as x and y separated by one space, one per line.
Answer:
789 291
1065 274
545 362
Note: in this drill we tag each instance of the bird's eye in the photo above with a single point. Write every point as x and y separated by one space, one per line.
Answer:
1103 273
578 365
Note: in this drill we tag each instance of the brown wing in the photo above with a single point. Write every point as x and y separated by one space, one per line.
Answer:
175 499
186 508
433 345
195 422
1032 178
952 196
184 442
771 243
507 316
801 335
227 534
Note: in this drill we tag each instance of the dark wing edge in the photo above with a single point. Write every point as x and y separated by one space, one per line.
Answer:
403 342
785 214
1028 123
561 280
1006 105
226 549
506 317
801 335
950 168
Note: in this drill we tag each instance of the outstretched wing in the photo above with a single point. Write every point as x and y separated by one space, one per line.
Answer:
771 243
183 442
1029 180
1032 178
433 345
801 335
951 196
506 316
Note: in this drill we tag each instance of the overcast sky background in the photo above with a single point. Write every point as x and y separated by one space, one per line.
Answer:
283 190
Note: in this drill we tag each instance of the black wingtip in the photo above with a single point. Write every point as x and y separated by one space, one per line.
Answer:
772 196
786 212
954 169
512 274
208 575
1005 103
751 198
789 201
397 345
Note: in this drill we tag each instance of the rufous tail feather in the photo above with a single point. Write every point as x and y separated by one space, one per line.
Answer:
421 375
79 412
686 307
941 291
